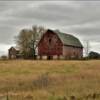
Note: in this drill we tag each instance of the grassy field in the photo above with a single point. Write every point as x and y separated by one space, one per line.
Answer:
49 80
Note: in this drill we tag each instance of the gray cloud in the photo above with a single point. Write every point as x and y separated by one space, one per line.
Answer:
80 18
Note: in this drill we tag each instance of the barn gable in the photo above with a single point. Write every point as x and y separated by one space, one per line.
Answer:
48 31
50 44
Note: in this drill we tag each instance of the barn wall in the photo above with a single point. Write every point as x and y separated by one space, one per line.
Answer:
50 47
72 52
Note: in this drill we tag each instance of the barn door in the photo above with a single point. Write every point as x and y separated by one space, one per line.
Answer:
49 57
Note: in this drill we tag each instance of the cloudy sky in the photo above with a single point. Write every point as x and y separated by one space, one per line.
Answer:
80 18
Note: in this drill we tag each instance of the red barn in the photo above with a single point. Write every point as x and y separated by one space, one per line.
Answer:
55 43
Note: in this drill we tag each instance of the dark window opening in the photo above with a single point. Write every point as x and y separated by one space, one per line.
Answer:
49 41
49 57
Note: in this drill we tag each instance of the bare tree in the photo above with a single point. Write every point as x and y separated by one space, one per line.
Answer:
27 40
87 48
23 40
37 32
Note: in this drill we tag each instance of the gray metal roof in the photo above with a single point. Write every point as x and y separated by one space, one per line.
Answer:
68 39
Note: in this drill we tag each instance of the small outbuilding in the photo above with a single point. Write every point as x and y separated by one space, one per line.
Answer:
13 53
61 45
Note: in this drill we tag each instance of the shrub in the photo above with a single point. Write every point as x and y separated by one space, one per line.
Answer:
94 55
42 81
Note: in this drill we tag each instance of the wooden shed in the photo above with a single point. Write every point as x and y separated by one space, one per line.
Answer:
55 43
13 53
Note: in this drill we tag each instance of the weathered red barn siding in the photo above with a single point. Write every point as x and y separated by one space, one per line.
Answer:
50 44
72 52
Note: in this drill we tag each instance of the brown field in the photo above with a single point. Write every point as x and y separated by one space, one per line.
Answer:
49 80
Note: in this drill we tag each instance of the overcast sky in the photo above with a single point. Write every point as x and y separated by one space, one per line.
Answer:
80 18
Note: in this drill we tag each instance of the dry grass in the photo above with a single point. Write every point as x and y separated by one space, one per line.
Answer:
50 80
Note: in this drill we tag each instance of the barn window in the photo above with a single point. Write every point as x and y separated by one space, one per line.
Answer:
50 41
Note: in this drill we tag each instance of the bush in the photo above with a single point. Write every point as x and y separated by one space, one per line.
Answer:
94 55
42 81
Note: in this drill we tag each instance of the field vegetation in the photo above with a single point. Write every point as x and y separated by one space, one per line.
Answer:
49 80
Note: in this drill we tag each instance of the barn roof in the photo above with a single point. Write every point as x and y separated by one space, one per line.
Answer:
68 39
